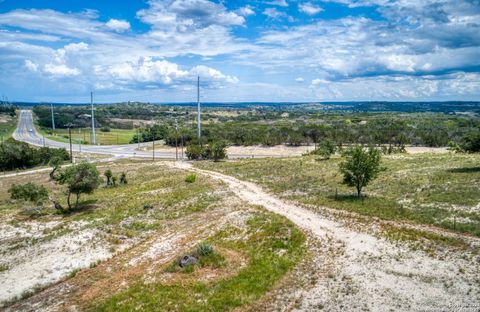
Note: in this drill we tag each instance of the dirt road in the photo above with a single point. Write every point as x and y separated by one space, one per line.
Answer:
370 273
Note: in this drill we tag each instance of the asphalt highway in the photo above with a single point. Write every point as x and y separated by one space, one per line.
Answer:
26 132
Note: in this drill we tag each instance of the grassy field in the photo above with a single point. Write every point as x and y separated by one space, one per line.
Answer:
435 189
250 255
7 126
113 137
271 243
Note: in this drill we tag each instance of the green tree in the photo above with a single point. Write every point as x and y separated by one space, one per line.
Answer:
82 178
55 163
219 151
360 166
325 149
471 142
108 175
194 152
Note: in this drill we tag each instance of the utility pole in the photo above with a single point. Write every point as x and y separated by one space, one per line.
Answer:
53 118
70 136
153 150
79 140
182 146
93 119
198 110
176 140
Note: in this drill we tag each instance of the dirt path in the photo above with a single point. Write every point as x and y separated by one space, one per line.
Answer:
371 273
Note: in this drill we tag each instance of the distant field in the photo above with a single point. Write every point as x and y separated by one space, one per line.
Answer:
114 137
7 126
436 189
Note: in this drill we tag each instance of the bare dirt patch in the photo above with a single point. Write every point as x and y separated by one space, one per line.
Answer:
369 272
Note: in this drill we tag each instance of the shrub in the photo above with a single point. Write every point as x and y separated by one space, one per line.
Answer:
108 175
105 129
191 178
471 142
215 151
325 149
36 194
194 152
123 178
204 249
29 192
14 154
218 151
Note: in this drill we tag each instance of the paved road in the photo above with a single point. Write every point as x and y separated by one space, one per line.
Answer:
26 132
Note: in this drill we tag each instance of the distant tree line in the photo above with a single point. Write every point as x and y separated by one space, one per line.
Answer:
19 155
392 134
7 109
269 126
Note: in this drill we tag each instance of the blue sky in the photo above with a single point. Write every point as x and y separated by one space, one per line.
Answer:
276 50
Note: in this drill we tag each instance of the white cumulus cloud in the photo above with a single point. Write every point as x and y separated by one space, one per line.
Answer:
118 25
309 8
282 3
31 65
246 11
60 70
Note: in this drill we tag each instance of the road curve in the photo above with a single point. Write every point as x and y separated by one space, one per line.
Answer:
26 132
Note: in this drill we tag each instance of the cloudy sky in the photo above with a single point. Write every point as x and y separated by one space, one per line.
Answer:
277 50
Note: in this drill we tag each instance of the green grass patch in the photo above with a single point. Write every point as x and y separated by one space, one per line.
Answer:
7 126
273 246
84 135
435 189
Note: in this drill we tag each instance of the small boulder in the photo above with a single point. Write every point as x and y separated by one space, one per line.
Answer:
147 206
187 260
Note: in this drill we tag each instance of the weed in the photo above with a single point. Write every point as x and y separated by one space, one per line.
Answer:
204 249
191 178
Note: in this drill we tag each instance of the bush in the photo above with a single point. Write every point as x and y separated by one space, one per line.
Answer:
108 175
325 149
36 194
123 178
204 249
218 151
215 151
105 129
29 192
16 155
194 152
471 142
191 178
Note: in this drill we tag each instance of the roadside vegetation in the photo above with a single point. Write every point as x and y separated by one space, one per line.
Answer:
20 155
8 121
433 189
